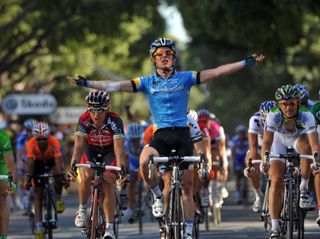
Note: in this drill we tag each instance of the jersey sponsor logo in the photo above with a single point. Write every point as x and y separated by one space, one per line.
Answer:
167 89
113 126
257 121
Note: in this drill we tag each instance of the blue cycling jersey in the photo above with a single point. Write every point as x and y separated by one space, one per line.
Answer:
133 154
21 140
168 98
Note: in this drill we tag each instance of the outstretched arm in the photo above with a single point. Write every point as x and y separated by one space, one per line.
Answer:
229 69
110 86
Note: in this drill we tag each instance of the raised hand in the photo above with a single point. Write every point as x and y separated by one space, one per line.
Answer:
80 81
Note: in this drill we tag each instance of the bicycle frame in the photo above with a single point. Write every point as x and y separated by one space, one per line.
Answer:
49 214
174 213
96 221
291 214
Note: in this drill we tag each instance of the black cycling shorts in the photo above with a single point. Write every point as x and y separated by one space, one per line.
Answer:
41 167
177 138
107 155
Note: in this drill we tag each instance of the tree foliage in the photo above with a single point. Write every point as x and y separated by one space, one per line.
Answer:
222 31
43 41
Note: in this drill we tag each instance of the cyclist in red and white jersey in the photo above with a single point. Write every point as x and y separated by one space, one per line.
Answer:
99 131
213 134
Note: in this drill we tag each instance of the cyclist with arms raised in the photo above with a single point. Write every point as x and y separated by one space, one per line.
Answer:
7 164
255 133
44 154
99 131
289 125
167 91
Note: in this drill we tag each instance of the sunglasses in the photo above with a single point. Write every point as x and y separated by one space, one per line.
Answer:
162 52
97 110
286 104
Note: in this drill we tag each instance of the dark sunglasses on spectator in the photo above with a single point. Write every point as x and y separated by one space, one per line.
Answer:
98 110
160 52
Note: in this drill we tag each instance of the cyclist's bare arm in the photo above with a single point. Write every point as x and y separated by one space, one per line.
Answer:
267 142
253 145
110 86
10 162
58 165
118 143
79 145
225 70
314 142
207 146
30 163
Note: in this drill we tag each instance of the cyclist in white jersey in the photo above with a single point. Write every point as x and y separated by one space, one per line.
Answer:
255 133
289 125
304 98
168 91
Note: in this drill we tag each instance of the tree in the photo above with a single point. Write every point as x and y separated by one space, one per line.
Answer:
43 41
287 32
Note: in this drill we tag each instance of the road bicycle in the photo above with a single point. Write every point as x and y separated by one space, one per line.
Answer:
95 225
216 199
292 215
175 218
49 213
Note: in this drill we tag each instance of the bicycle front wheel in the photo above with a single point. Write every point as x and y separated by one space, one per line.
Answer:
94 214
177 214
290 210
49 216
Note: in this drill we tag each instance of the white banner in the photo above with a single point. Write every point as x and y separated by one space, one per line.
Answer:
29 104
67 115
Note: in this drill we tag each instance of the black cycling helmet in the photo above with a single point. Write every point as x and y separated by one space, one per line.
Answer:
161 42
98 98
287 92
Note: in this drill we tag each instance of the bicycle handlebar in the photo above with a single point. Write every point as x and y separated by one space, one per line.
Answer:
47 175
292 156
93 166
4 177
168 159
188 159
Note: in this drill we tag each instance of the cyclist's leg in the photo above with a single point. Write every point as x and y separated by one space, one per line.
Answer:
132 188
187 196
166 177
276 174
109 200
37 167
255 180
317 189
144 170
84 194
4 215
58 184
153 183
302 146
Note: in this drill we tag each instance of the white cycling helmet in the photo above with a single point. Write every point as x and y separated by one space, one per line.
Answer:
41 130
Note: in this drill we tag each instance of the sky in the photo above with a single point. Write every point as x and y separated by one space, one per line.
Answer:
174 22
